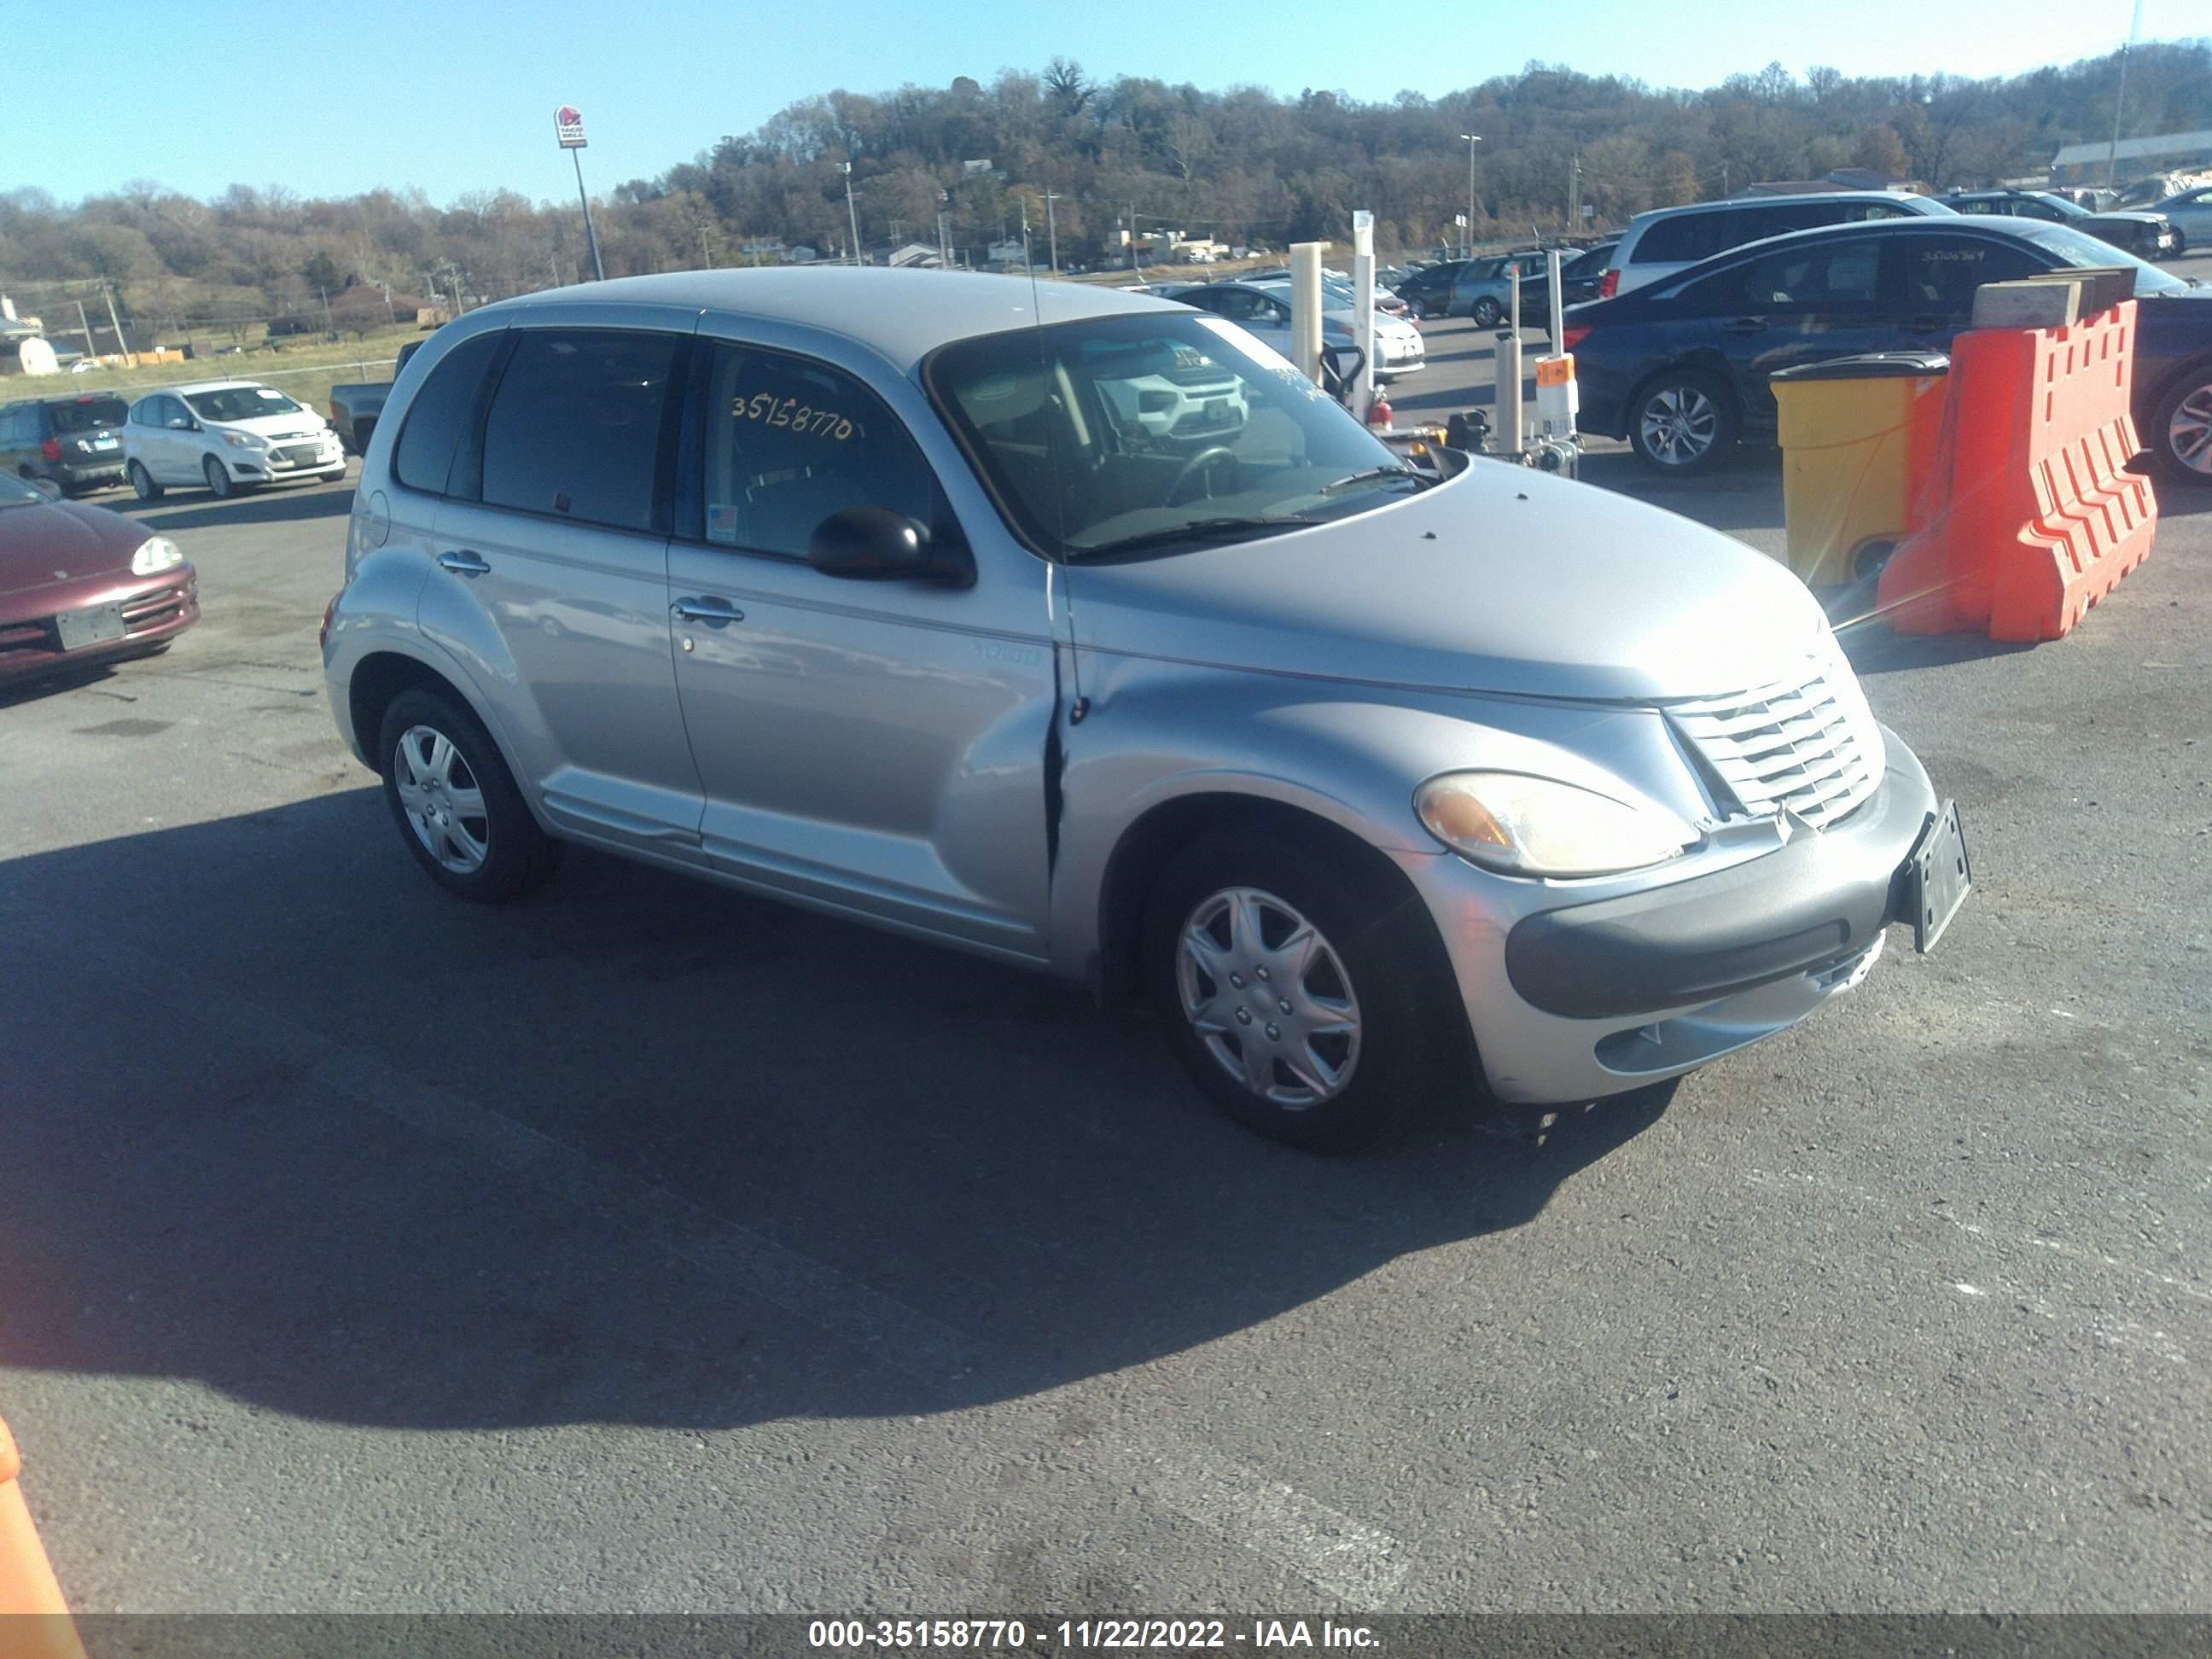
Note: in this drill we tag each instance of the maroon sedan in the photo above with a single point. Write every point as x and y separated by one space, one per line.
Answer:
79 583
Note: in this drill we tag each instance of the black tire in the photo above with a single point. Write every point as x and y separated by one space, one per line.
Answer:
1707 409
517 855
142 482
220 484
2180 449
1384 960
1486 312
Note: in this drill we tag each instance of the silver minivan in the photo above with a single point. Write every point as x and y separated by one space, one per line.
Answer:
1667 240
874 592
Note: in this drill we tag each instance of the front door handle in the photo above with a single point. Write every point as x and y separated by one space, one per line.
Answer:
1746 325
463 562
708 609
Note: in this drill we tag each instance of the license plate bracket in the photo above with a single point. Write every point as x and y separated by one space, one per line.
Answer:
93 625
1938 876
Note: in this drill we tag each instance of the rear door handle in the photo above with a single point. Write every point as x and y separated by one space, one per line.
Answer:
463 562
708 609
1746 325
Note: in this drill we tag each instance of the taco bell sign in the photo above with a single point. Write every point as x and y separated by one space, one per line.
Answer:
568 126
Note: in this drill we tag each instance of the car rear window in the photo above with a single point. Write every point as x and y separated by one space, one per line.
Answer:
575 428
86 413
440 413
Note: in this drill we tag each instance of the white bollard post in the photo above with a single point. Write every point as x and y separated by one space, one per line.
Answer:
1362 391
1305 309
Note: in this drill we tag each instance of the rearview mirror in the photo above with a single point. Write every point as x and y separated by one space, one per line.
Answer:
872 543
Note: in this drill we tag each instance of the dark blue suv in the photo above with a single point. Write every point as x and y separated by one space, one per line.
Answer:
1680 368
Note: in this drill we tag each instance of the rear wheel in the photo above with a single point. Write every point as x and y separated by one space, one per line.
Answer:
219 480
1681 421
2180 432
1486 312
455 802
1294 988
142 482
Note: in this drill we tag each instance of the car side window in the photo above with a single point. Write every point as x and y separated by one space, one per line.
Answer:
1942 272
1825 277
790 440
575 428
441 412
1974 207
1683 240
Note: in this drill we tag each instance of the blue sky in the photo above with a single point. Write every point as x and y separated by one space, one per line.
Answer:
459 96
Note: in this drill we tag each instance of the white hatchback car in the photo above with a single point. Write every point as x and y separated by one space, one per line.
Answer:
229 436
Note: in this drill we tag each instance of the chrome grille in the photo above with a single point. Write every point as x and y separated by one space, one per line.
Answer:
1807 743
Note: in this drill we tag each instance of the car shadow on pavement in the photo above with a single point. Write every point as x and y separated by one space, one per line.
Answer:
203 512
281 1117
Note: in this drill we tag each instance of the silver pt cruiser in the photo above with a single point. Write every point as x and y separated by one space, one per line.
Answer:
1076 629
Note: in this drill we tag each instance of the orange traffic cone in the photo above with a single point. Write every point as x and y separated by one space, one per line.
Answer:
34 1620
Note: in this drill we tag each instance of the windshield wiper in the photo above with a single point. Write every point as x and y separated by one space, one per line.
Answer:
1194 528
1372 473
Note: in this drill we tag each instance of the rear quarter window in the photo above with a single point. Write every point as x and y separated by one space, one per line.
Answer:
441 414
1683 240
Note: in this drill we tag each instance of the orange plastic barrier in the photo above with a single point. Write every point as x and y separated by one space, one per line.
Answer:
2031 516
34 1620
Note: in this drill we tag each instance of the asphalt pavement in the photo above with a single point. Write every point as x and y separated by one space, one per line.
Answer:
648 1247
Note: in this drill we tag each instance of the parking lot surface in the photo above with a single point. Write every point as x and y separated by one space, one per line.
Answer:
648 1247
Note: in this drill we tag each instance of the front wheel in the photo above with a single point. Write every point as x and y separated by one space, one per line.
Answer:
142 482
220 484
1294 990
1683 422
2180 433
1486 314
455 802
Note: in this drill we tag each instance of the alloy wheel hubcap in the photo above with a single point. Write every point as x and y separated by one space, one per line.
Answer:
444 805
1679 425
2189 434
1268 995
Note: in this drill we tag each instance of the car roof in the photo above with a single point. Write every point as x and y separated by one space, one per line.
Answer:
189 387
1956 224
901 315
1733 204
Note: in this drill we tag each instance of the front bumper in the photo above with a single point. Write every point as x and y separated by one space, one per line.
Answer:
291 460
154 609
1570 1002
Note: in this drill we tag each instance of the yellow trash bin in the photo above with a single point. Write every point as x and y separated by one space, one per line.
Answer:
1858 436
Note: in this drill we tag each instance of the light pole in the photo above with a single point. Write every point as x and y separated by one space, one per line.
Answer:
1473 139
852 214
1052 231
2120 99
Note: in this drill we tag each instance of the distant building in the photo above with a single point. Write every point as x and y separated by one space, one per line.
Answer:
914 256
1841 178
1008 252
800 255
2165 152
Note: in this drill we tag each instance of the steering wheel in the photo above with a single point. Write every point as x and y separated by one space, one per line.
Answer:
1207 457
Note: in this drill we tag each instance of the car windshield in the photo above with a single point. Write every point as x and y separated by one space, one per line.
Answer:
239 402
2080 249
87 413
14 492
1163 431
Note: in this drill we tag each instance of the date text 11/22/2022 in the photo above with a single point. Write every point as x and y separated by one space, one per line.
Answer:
988 1636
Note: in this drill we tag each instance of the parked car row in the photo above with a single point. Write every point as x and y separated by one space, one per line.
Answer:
2147 233
1679 367
228 435
1262 308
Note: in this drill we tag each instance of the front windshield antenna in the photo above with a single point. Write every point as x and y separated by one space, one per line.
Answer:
1056 590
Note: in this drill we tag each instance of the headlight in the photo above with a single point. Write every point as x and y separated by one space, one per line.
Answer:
156 555
243 440
1530 826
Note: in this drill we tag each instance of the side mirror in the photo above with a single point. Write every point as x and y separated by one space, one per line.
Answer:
872 543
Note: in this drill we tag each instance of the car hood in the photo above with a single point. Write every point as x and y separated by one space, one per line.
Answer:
62 541
300 421
1502 579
